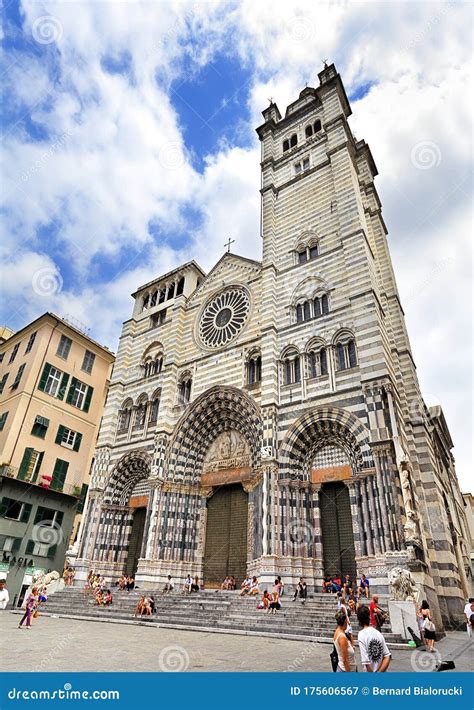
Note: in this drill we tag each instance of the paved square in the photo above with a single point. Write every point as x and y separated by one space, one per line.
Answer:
57 644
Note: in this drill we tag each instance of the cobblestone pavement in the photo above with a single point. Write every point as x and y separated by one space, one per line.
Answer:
56 644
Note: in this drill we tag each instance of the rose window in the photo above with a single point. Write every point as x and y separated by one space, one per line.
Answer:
224 317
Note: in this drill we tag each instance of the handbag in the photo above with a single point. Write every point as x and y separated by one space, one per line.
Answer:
428 625
334 658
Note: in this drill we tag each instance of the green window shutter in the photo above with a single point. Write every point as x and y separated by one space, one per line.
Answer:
25 513
4 505
63 386
87 401
59 435
82 499
29 547
25 462
16 544
77 441
44 377
72 389
59 474
52 550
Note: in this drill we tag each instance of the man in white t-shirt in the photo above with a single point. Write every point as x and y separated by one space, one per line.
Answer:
169 586
468 612
374 653
4 596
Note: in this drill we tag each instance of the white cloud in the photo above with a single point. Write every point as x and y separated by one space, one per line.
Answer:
120 159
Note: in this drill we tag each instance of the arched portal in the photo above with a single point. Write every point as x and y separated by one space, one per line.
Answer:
211 489
324 452
123 513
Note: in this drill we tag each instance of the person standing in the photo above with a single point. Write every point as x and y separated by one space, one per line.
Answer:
468 612
374 653
4 596
30 605
377 615
344 647
429 629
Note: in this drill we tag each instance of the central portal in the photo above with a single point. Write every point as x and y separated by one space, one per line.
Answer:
226 535
336 528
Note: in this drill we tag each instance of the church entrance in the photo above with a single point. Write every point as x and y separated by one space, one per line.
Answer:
226 535
336 527
136 539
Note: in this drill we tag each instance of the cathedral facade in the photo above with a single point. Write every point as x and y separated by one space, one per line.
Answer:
266 418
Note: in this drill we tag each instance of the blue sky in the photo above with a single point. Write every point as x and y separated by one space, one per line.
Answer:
130 147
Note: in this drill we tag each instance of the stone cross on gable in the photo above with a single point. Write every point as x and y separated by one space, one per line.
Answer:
228 243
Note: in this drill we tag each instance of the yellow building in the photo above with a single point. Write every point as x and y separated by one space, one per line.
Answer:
53 386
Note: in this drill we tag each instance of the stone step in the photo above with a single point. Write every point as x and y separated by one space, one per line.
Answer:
213 611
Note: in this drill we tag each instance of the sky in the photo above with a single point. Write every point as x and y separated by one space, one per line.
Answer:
129 147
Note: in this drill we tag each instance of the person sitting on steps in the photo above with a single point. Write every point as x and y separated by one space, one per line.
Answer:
188 582
226 584
245 586
301 590
254 588
327 584
169 586
364 586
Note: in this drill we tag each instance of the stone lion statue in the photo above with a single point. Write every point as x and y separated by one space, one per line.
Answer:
40 579
402 585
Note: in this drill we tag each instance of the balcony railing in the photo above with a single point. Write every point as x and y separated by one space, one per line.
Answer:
68 488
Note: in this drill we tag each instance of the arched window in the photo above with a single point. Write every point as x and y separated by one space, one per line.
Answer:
299 313
321 305
318 362
154 408
313 251
180 287
346 353
305 253
146 300
124 417
184 389
293 140
317 126
286 145
306 310
308 131
140 414
153 299
291 368
254 369
162 297
351 348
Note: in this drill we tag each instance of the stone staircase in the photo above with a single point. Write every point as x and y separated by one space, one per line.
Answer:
214 611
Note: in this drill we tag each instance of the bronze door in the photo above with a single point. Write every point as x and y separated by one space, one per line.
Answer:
226 535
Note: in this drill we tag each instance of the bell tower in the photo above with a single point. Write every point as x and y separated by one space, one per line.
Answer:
335 347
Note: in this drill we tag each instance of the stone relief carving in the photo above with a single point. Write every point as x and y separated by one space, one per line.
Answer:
229 450
411 526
